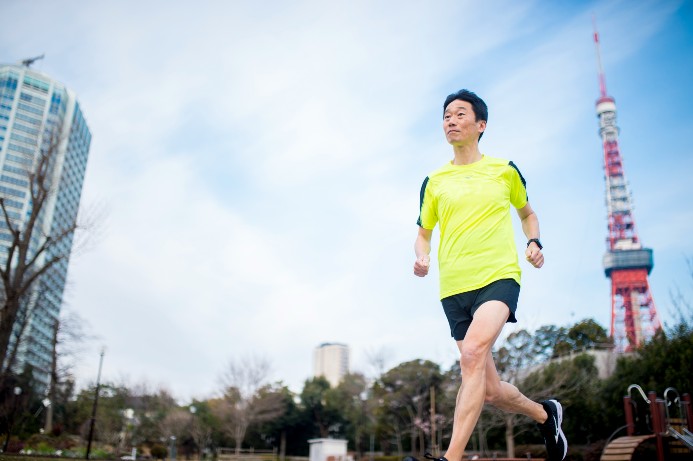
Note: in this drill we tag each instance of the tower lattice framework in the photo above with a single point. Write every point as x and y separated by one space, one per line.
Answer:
634 318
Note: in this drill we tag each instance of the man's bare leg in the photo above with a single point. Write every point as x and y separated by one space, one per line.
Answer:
474 354
507 397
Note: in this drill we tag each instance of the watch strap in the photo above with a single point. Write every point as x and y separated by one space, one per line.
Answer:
535 241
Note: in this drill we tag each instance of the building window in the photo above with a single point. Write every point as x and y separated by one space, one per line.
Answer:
15 181
36 84
12 192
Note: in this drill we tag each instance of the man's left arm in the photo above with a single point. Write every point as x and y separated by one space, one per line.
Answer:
530 226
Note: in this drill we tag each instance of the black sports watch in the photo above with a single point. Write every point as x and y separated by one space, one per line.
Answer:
535 241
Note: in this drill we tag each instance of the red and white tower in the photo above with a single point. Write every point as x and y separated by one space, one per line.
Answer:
634 318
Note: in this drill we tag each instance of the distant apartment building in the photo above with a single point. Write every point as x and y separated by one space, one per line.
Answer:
31 105
331 360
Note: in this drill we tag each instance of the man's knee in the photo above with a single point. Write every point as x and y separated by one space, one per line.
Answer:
473 356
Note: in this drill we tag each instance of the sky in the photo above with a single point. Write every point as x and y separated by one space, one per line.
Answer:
255 168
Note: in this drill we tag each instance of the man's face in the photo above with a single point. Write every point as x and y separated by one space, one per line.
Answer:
459 123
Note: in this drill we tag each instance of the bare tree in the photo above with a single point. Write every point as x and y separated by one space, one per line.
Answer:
176 423
201 434
377 360
69 338
247 399
681 308
33 249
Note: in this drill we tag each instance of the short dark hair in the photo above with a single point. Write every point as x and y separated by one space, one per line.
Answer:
478 105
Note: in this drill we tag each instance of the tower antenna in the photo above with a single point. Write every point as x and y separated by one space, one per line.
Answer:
602 79
29 61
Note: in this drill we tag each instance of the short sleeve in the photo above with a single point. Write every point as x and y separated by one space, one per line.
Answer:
428 218
518 187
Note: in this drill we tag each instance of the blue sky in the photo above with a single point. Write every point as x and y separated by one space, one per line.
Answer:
258 166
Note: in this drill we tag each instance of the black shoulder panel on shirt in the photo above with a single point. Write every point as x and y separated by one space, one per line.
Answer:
524 183
421 199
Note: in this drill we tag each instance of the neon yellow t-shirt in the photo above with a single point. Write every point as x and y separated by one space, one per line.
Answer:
471 204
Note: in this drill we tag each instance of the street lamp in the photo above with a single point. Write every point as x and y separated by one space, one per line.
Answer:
194 431
366 409
17 393
45 403
173 446
129 415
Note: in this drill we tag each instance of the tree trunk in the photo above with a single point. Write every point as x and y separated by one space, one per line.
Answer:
357 441
483 448
239 440
48 428
412 436
509 434
282 446
422 442
8 315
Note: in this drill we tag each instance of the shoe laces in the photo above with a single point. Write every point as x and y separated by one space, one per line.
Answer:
428 455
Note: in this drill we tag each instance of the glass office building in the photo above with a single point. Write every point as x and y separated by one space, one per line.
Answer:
32 106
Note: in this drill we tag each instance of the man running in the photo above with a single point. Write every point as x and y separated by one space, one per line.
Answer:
470 198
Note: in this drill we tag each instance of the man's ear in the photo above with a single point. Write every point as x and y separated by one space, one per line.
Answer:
482 126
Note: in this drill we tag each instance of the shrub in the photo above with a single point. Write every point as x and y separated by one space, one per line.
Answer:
15 445
35 440
159 451
43 448
43 444
386 458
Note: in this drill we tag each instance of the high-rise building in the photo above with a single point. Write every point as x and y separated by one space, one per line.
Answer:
331 360
34 108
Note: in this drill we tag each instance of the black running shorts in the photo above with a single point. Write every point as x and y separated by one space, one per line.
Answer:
460 308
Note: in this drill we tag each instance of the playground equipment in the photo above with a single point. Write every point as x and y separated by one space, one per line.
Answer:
657 429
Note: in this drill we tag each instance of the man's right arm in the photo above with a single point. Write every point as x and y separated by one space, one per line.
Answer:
422 248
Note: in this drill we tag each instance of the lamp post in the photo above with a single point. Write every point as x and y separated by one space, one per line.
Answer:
194 431
48 425
173 446
367 412
128 417
17 393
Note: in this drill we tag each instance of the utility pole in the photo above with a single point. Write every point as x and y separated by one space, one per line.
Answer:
434 447
93 410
